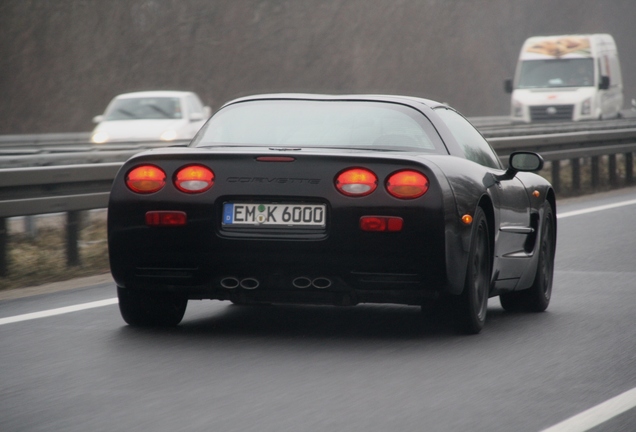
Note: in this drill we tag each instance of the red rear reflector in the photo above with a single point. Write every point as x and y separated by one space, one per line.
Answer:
381 223
356 182
146 179
166 218
407 184
275 159
194 179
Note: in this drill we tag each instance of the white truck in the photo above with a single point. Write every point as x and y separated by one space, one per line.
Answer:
566 78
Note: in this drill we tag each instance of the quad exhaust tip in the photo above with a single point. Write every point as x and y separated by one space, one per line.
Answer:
321 282
300 282
249 283
230 282
303 282
245 283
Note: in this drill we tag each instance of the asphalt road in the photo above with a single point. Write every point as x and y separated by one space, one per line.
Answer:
367 368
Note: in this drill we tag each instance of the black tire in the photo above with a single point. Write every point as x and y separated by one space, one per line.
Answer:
472 305
537 297
151 309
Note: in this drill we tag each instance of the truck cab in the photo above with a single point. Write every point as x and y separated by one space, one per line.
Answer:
566 78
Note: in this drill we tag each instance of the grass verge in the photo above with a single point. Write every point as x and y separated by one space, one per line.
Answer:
41 259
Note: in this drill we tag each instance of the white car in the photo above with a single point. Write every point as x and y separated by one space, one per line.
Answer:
151 116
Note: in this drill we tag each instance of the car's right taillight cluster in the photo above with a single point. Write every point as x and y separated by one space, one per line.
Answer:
403 184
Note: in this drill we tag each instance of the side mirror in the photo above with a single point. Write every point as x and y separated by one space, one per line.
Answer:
508 86
521 161
605 83
525 161
196 116
98 119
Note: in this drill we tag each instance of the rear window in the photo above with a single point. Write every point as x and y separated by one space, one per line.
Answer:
340 124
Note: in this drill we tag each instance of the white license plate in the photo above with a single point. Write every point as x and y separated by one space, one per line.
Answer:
313 215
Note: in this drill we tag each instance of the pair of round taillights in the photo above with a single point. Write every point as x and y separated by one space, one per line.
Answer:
146 179
404 184
353 182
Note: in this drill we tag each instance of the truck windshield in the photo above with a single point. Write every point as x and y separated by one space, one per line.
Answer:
577 72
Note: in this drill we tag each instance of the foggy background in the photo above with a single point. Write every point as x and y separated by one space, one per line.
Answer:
61 61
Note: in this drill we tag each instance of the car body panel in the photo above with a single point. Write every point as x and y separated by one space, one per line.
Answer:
426 259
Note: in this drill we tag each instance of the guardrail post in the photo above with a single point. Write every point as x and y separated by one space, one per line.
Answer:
72 237
594 166
576 173
613 176
629 168
556 175
30 226
4 243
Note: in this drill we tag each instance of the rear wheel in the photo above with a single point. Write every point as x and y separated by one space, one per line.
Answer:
471 306
144 308
537 297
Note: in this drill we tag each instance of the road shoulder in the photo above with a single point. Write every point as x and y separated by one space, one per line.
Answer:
52 287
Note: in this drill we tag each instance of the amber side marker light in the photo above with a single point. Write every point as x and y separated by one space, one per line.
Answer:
166 218
381 223
467 219
146 179
407 184
536 194
194 179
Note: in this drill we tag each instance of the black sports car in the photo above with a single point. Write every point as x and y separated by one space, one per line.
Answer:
333 200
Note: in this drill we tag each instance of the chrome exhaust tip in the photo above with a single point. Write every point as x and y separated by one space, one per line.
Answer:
229 282
321 283
249 283
301 282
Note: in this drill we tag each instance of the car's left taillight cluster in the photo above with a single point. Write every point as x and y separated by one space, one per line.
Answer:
192 179
359 182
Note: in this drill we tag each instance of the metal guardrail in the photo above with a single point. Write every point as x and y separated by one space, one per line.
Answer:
574 146
80 180
46 139
72 177
40 190
567 145
46 153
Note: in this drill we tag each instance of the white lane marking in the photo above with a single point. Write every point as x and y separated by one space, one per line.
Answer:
58 311
615 406
595 209
598 414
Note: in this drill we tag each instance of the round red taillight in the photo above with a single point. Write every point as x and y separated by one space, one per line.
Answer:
146 179
194 179
407 184
356 182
